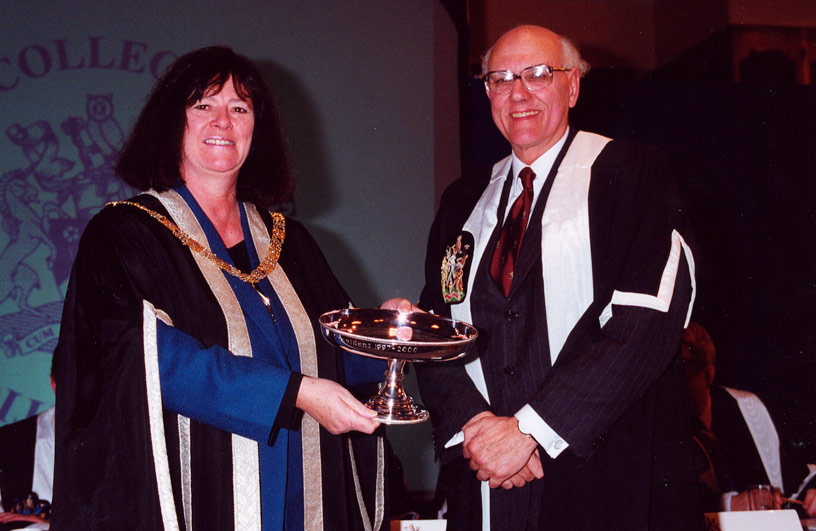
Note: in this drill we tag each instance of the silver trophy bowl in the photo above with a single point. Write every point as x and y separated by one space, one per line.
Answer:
398 338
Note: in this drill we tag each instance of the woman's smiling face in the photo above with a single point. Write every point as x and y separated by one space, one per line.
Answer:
218 135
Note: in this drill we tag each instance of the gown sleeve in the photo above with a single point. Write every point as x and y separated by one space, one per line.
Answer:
237 394
438 382
643 292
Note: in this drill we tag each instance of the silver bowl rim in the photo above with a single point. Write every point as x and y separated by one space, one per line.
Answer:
443 343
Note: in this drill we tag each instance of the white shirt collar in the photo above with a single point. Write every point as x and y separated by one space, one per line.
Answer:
542 165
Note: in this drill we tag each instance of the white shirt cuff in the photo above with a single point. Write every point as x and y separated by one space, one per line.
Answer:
725 500
530 422
458 438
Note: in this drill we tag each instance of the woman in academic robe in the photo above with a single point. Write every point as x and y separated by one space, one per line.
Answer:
193 389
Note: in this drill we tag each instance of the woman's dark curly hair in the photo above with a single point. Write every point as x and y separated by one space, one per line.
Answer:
151 156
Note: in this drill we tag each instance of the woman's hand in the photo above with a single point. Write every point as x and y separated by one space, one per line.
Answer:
334 407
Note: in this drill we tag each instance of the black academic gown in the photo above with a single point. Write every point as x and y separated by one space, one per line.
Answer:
17 443
616 394
105 472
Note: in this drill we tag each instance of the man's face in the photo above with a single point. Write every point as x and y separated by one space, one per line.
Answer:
532 121
698 384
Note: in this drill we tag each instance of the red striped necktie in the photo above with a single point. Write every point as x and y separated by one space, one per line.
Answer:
506 253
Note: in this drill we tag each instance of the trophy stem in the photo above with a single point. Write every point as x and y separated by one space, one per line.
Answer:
392 404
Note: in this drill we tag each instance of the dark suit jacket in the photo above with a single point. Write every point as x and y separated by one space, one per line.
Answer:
616 394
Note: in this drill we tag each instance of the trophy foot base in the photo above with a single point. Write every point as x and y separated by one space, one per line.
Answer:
405 412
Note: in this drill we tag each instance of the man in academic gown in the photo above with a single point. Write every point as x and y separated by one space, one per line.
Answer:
736 441
751 452
572 414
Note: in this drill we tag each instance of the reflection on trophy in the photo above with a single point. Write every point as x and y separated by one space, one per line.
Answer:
397 337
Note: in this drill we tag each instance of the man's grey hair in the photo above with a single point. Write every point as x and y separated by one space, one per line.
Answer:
572 57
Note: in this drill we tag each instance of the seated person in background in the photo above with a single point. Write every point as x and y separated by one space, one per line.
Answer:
737 443
27 513
26 471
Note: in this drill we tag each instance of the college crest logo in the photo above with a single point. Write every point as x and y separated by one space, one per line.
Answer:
455 269
44 207
56 172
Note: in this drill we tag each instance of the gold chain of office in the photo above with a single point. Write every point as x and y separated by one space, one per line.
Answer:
263 270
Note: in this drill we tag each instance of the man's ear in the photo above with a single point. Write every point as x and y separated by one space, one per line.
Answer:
574 78
709 374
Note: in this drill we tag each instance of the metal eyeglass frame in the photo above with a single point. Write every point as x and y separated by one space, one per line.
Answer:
509 74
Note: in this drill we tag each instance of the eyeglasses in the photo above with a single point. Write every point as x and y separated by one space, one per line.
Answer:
533 78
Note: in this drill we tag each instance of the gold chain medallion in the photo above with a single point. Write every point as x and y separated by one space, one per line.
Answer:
263 270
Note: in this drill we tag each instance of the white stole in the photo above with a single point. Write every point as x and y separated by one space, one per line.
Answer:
565 252
565 247
762 431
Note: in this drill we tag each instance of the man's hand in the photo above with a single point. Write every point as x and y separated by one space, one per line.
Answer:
498 451
401 305
810 502
742 501
334 407
739 502
532 470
